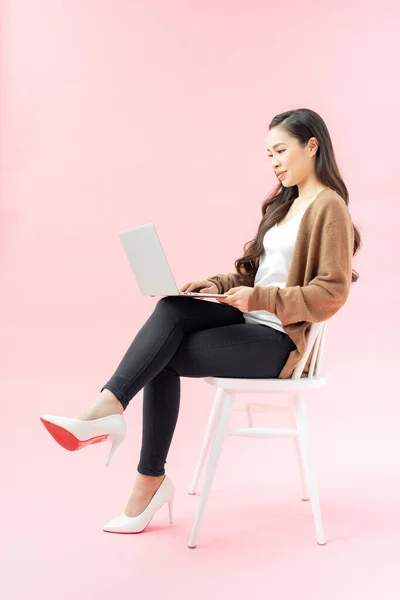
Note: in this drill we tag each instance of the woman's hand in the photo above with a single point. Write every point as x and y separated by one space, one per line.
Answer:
200 285
238 297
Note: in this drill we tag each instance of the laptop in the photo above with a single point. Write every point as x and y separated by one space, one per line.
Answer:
149 263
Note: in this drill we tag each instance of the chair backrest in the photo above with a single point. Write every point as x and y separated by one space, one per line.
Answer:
315 343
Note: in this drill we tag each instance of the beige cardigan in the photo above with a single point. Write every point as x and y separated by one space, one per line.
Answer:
319 277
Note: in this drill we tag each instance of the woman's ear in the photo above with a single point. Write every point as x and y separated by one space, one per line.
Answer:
313 145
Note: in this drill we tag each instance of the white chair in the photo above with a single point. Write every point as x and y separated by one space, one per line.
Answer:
225 401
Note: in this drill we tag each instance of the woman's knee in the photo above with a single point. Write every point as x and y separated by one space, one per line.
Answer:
166 302
172 301
167 299
177 308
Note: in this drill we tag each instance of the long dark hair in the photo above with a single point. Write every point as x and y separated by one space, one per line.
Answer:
302 124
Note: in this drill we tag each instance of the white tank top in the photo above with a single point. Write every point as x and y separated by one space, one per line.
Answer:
274 266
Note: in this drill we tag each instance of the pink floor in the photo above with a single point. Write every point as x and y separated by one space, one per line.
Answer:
257 537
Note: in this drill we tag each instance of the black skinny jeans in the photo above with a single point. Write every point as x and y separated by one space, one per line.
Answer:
189 337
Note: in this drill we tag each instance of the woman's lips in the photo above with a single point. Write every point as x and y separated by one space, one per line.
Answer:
282 175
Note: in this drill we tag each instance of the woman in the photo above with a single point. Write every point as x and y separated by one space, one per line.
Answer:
296 271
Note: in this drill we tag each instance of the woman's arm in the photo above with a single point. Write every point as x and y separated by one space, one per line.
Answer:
226 281
322 297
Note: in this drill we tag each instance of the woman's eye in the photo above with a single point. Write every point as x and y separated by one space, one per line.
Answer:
279 151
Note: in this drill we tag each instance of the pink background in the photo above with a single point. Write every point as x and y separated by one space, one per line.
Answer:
116 114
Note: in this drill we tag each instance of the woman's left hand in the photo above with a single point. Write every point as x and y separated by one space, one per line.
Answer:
238 297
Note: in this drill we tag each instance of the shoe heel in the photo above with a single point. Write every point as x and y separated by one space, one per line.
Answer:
170 502
116 441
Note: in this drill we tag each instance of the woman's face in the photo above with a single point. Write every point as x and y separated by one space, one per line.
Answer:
287 155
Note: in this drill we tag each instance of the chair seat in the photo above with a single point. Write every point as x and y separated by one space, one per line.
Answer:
267 385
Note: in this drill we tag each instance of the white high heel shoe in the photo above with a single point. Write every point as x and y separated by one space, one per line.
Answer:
124 524
74 434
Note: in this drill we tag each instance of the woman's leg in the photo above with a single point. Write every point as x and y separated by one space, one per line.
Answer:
154 345
152 348
238 350
167 347
160 337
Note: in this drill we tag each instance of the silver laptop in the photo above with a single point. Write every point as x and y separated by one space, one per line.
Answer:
149 263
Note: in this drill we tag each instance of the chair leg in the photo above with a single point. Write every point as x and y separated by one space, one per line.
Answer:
206 440
306 452
219 437
303 480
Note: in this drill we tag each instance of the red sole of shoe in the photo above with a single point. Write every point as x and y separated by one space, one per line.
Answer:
67 440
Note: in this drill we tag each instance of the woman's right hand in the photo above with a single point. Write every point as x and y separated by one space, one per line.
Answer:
201 285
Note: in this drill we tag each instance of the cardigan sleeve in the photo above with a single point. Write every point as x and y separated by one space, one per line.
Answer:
226 281
325 293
